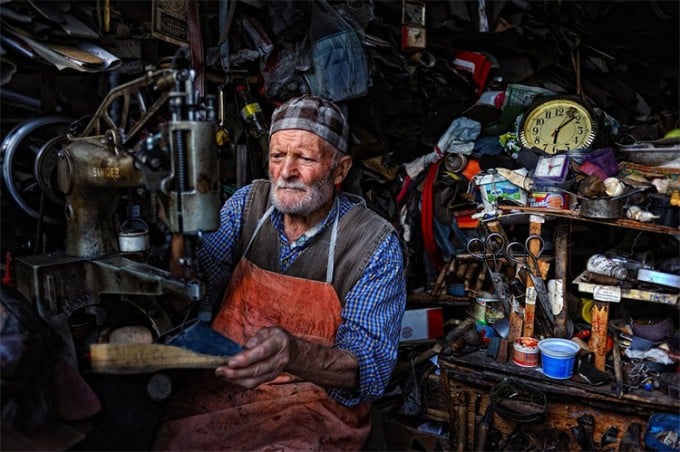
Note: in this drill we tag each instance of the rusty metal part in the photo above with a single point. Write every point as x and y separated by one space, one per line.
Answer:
602 208
132 98
618 366
599 279
461 420
484 427
478 418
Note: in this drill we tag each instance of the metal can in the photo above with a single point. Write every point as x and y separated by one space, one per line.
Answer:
455 162
548 200
525 352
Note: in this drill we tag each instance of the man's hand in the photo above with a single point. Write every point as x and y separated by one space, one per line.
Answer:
273 350
266 355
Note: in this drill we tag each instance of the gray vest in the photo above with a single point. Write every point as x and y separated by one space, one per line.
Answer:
360 232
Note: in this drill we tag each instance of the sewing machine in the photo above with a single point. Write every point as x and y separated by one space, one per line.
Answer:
150 142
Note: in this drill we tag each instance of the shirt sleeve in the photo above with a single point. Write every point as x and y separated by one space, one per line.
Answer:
372 316
217 248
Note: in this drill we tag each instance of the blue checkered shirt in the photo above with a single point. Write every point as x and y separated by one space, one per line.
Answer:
373 309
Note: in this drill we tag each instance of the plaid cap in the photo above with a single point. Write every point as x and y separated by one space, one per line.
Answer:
313 114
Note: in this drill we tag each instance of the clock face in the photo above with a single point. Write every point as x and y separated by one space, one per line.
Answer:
552 168
558 124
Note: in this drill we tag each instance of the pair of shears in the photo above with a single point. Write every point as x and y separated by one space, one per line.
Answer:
520 253
491 250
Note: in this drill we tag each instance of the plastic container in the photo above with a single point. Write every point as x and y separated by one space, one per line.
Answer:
662 431
558 357
486 308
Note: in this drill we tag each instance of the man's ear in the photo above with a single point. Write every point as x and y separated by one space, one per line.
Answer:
342 169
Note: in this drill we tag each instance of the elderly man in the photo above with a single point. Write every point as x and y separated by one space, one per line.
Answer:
316 298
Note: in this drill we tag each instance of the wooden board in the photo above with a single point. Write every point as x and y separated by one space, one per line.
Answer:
145 358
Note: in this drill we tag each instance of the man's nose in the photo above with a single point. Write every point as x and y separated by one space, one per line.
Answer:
289 167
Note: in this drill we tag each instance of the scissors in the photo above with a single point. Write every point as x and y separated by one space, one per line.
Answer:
521 254
490 250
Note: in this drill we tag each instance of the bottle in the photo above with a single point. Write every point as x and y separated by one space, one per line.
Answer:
601 264
252 114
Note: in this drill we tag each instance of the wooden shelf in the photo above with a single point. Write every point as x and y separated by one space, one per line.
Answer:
574 215
628 293
441 300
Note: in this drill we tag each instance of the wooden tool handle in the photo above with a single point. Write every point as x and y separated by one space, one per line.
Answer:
146 358
598 335
461 412
530 300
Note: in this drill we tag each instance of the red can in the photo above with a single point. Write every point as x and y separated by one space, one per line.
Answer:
525 352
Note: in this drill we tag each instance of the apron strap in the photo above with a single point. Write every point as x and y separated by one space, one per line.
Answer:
260 222
330 264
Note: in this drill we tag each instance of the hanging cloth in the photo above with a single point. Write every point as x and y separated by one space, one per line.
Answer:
427 216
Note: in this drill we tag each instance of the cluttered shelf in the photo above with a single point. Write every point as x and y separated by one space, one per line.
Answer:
615 293
479 368
575 215
470 275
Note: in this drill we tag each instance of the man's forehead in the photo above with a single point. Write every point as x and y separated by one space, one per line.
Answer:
296 139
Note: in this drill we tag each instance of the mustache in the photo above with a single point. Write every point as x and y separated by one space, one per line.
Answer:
290 185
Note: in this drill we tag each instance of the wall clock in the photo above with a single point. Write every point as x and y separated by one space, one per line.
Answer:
558 123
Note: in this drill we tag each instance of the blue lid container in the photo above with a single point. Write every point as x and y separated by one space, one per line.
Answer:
558 357
662 426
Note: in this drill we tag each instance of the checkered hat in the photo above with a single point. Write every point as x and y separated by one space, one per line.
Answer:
314 114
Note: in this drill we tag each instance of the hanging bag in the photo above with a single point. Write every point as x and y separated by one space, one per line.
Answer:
339 71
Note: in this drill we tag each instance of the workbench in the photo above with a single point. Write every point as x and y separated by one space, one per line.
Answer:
567 400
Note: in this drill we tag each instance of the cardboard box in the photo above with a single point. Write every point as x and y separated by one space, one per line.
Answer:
422 324
494 188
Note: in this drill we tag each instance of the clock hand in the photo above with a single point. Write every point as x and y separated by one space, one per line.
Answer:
558 128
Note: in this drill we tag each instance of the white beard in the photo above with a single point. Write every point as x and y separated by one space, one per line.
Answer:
315 196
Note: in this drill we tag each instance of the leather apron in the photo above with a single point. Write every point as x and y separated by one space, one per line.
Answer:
286 413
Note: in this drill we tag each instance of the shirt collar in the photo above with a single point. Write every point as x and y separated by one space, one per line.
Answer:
277 221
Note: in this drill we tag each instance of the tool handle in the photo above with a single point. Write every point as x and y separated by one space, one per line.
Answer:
484 426
124 359
481 440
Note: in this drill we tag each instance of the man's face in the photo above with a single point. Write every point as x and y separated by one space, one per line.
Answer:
300 168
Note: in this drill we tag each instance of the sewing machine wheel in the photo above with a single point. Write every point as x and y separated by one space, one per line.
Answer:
20 149
45 169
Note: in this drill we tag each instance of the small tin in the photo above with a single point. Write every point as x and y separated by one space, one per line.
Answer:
525 352
455 162
548 200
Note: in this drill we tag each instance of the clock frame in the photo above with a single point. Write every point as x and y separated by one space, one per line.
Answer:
558 124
